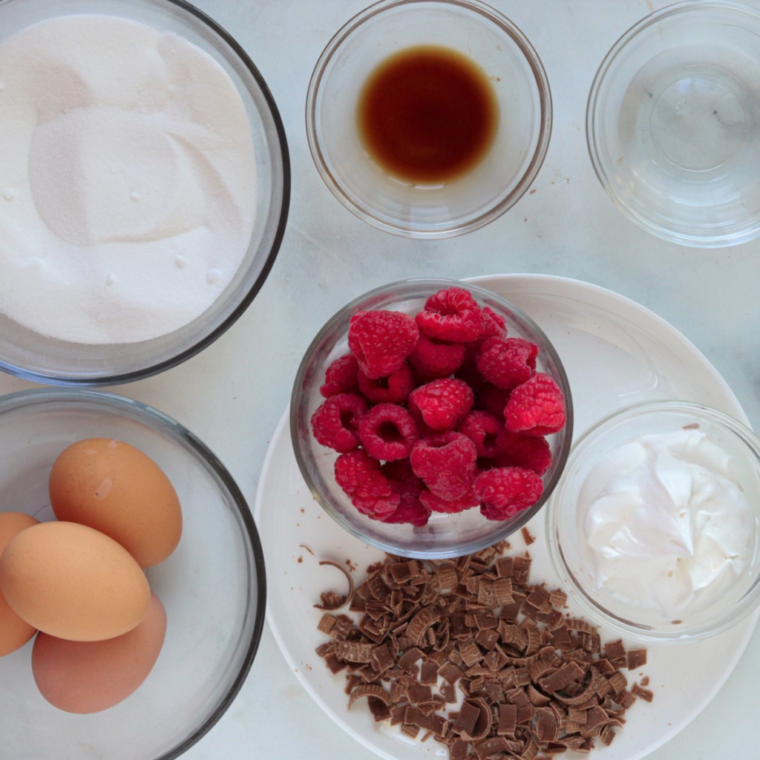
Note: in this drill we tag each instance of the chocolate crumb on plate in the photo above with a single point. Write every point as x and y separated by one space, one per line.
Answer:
531 681
645 694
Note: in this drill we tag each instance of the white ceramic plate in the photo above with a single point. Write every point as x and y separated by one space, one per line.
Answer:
616 353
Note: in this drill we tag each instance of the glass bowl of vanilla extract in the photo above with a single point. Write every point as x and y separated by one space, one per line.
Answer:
429 118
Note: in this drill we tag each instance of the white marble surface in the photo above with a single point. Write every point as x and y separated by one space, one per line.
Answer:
233 394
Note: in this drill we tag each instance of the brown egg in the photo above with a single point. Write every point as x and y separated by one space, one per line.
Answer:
116 489
14 632
70 581
91 676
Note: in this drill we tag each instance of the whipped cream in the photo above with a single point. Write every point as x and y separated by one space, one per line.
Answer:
667 523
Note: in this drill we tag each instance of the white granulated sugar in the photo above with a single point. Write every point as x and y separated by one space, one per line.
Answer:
127 180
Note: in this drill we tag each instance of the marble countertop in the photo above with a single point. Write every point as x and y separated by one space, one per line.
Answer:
233 394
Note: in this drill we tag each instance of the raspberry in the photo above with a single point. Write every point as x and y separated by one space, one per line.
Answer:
486 463
469 371
341 377
482 429
446 463
492 514
505 491
441 403
451 315
530 452
415 513
361 478
410 509
436 504
381 341
494 325
536 407
493 400
394 389
507 362
388 432
401 473
336 422
432 359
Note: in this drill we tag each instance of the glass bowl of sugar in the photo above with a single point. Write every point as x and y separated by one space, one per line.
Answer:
145 187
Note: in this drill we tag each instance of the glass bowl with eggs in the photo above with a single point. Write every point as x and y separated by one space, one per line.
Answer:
431 418
145 187
132 582
653 528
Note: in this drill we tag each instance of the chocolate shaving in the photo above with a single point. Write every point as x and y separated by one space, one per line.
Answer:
607 736
353 651
493 746
447 576
563 677
417 693
458 749
326 624
537 597
615 652
637 658
468 717
483 723
558 598
618 682
421 622
334 663
527 537
381 658
411 731
450 673
380 711
507 720
547 726
331 601
534 682
369 690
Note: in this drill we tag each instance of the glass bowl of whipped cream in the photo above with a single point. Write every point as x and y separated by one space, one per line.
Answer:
653 528
144 188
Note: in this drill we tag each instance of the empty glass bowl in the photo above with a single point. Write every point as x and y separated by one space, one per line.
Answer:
673 123
445 535
46 360
574 561
429 210
213 587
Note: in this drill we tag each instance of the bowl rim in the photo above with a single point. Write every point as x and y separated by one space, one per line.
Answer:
36 396
434 284
590 607
592 138
173 361
544 129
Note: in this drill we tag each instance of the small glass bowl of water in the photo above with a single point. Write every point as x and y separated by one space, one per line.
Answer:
673 123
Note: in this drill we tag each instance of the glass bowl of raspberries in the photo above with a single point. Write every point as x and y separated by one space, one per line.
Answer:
431 418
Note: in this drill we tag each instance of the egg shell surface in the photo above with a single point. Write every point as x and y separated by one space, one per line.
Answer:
91 676
113 487
14 632
73 582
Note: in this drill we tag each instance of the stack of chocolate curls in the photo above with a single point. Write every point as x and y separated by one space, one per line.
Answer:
533 680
